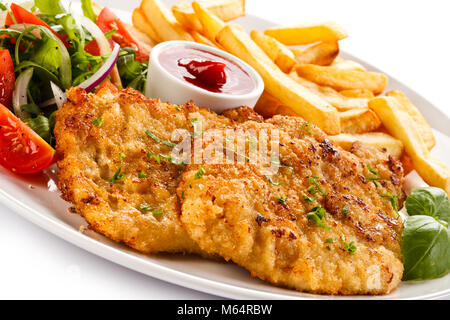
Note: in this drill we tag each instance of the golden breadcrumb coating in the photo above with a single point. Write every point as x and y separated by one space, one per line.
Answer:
140 206
236 212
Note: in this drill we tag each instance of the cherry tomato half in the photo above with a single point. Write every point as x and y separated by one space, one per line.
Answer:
21 149
22 15
108 21
7 78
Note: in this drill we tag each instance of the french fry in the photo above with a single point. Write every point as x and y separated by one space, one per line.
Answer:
344 64
402 126
163 22
278 52
414 113
198 37
306 34
375 139
359 121
147 42
290 93
322 54
343 79
141 23
211 23
184 13
333 97
268 106
225 10
358 93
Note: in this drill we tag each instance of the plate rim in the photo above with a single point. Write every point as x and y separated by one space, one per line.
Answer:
163 273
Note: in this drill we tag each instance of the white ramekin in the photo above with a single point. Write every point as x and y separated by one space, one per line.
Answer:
168 88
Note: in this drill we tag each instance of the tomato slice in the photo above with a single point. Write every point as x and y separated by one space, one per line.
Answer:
21 149
7 78
22 15
107 84
108 21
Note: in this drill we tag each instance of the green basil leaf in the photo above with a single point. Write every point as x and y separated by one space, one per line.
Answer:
425 248
429 201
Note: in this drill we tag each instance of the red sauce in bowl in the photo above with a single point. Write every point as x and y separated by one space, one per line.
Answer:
206 70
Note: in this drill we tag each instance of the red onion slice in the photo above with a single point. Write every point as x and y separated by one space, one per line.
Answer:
103 72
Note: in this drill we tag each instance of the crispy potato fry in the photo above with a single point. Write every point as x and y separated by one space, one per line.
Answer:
184 13
414 113
141 23
163 22
343 64
359 121
376 139
322 54
268 106
343 79
358 93
198 37
333 97
211 23
147 42
311 107
278 52
306 34
225 10
403 127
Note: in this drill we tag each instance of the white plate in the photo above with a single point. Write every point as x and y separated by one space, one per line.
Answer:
43 206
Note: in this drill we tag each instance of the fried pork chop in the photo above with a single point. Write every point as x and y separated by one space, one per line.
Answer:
325 223
115 167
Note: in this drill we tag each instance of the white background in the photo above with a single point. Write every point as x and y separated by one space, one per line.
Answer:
408 39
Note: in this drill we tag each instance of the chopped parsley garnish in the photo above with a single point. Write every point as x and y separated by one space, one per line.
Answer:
121 156
276 162
393 199
172 160
308 199
252 142
142 175
238 154
158 140
329 240
315 186
182 194
154 156
177 108
157 213
196 131
282 199
306 126
345 210
98 122
199 173
316 215
350 247
373 171
117 176
272 182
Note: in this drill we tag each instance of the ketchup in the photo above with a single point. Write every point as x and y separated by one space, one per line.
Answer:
211 73
206 70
